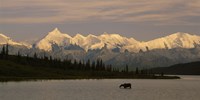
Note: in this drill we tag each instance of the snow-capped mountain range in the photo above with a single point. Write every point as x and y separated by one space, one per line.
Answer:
113 48
114 41
7 40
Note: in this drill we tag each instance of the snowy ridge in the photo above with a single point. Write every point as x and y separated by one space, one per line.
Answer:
86 42
113 48
182 40
7 40
59 40
54 37
113 41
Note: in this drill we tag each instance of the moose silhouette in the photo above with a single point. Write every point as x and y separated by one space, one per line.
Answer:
125 85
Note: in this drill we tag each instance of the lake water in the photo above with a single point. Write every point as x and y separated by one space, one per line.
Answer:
187 88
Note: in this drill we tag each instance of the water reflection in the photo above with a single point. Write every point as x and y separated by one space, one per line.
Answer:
187 88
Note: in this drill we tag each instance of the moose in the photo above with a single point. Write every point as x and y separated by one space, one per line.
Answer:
125 85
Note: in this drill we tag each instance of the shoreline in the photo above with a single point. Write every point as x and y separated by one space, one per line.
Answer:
18 79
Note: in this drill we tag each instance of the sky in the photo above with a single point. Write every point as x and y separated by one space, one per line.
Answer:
141 19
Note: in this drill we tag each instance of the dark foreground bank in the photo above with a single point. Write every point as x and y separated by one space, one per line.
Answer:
7 79
192 68
12 71
17 67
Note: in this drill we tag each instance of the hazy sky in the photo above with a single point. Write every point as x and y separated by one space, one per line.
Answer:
141 19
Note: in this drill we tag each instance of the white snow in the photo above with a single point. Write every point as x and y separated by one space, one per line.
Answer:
7 40
176 40
182 40
166 50
54 37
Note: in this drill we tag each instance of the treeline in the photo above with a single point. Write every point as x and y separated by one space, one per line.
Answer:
66 64
147 72
18 67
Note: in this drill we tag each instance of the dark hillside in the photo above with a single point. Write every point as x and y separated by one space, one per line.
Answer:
192 68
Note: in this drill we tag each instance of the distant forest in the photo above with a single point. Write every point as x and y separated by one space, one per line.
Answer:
14 67
67 64
192 68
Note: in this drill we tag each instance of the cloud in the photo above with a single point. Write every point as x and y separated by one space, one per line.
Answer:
60 11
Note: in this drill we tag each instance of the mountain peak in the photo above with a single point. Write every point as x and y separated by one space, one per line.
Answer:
78 35
54 37
113 40
55 31
4 39
91 35
7 40
111 34
176 40
180 34
3 36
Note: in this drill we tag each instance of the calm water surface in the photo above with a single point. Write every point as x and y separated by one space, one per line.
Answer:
187 88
